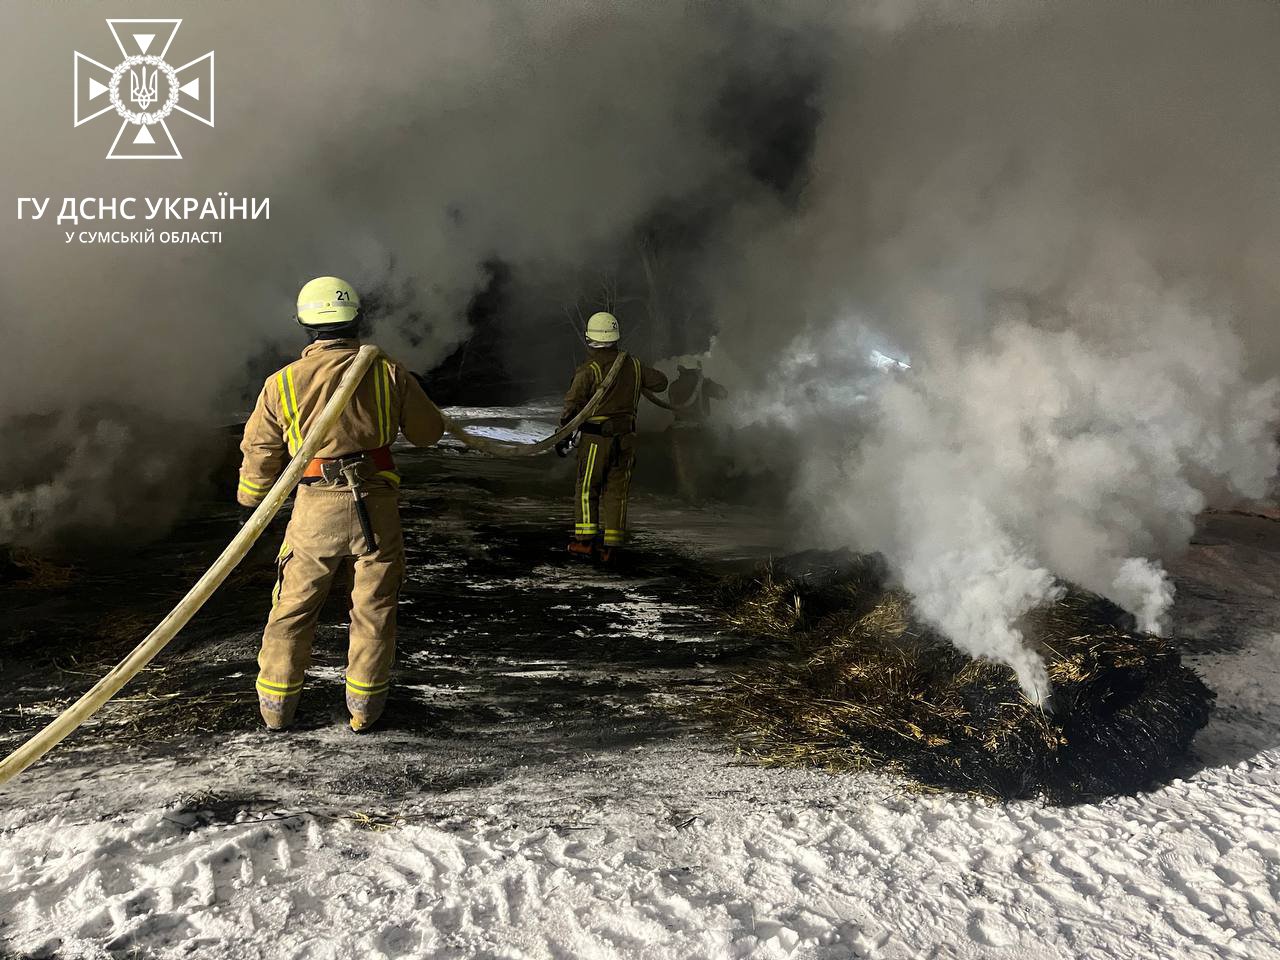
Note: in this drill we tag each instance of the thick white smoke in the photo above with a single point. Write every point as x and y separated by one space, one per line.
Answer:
1061 224
1082 452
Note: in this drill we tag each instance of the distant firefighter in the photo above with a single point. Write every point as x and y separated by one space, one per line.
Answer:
346 507
607 449
691 394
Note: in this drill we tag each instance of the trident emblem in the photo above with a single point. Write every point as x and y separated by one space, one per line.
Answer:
141 90
153 92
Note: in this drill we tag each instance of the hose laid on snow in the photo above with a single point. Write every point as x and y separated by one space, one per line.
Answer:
178 617
501 448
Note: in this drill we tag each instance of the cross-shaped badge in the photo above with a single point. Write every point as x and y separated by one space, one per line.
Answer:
143 90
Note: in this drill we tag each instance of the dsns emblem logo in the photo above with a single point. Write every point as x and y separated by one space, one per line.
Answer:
143 90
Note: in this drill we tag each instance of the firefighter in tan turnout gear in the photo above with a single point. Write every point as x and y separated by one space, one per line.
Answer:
606 447
346 510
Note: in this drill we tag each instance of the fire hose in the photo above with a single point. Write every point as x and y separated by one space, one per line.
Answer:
506 449
657 401
71 718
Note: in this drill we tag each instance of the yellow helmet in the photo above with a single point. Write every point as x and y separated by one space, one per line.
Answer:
327 302
603 328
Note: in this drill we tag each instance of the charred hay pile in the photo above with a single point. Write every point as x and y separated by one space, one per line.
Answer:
863 684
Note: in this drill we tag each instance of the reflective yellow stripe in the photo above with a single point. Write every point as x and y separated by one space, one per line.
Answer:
595 368
378 390
355 686
635 405
614 537
289 409
284 550
391 476
392 426
585 528
377 402
250 489
297 417
586 484
285 413
245 482
278 689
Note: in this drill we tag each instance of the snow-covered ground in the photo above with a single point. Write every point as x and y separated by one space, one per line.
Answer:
526 424
530 823
686 857
676 855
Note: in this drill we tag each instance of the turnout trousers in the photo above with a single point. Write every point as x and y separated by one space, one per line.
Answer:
688 450
323 536
604 482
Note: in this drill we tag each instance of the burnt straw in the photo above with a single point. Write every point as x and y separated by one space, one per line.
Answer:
859 682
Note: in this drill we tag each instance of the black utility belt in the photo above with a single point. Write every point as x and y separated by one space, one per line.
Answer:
610 428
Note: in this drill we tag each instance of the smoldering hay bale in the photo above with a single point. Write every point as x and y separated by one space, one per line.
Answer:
863 684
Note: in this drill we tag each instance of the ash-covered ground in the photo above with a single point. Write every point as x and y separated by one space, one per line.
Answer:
540 790
512 654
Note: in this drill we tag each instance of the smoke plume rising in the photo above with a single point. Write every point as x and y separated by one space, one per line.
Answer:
1066 218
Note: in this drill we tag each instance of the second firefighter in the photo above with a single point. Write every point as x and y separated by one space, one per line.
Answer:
606 447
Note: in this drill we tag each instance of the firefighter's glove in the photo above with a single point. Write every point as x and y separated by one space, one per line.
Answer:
564 446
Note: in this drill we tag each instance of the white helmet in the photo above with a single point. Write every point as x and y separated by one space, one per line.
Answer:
603 328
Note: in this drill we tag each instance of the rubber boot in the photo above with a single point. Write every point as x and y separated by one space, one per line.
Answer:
277 711
365 711
582 548
607 555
